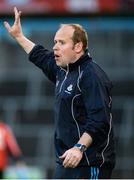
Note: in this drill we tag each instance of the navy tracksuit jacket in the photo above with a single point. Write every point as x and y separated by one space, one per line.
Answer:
83 104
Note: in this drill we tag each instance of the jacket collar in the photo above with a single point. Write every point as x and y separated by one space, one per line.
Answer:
85 57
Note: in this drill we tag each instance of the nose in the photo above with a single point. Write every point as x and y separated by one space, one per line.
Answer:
55 47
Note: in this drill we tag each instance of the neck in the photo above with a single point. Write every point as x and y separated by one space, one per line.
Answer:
77 57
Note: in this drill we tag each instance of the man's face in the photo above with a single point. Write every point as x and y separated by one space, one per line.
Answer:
64 50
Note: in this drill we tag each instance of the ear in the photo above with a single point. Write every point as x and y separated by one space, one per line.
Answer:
78 47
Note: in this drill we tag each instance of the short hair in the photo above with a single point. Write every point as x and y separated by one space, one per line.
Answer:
79 35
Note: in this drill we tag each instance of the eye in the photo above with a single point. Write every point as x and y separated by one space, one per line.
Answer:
62 42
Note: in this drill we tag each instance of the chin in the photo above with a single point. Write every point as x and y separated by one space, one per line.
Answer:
58 63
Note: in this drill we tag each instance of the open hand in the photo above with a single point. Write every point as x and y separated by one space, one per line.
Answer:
15 31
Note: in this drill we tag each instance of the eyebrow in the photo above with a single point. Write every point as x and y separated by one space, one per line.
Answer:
59 40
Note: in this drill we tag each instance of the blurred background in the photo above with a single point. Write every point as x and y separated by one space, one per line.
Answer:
27 97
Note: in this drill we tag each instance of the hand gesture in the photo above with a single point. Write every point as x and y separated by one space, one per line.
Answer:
71 157
15 31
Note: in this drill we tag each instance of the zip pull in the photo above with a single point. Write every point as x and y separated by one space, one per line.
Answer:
67 69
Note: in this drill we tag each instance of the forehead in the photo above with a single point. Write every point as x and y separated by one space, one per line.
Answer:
64 32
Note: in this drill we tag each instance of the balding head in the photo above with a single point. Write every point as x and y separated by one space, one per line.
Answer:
79 34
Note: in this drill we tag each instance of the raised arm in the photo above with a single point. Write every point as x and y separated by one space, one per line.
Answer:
16 32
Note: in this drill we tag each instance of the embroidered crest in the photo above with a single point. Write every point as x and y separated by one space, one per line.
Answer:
70 87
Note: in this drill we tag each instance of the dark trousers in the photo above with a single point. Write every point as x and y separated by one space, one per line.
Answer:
84 172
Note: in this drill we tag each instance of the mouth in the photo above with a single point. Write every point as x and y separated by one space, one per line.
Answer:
56 57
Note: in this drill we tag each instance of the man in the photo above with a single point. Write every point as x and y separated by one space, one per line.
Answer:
84 141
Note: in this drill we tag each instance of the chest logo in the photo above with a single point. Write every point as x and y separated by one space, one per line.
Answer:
69 89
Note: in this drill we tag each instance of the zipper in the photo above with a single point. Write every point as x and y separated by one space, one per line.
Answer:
64 78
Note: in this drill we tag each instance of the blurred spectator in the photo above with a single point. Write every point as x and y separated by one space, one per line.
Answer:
127 5
8 145
109 6
27 6
16 2
67 6
82 6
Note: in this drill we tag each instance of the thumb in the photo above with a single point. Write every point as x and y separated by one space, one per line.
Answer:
63 156
7 26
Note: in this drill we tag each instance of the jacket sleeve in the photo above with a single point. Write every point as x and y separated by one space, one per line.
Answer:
97 110
44 59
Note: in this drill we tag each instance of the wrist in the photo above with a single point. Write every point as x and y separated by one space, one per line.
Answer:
81 147
19 37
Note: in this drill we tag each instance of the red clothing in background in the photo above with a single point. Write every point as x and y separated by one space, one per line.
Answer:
7 144
109 5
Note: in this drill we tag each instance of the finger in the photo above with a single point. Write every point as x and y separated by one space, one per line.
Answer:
75 164
66 162
7 26
63 156
15 12
71 164
17 15
18 19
